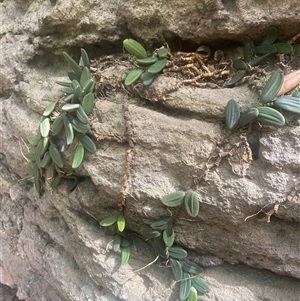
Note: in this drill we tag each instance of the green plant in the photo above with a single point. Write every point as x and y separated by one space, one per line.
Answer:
45 154
146 67
161 236
266 48
267 112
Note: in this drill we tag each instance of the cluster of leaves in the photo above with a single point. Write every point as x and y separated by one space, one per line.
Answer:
266 48
267 112
160 234
115 225
44 154
146 67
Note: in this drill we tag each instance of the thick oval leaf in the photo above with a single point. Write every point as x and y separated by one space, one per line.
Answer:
46 160
124 242
160 248
117 242
108 221
239 65
168 237
88 88
125 255
135 48
148 232
45 126
76 68
121 223
34 140
271 36
200 285
288 103
236 78
270 116
248 116
284 48
78 156
158 66
76 93
263 49
55 156
176 269
80 127
161 224
191 267
49 109
70 107
193 296
82 115
272 86
88 143
258 60
85 58
177 252
162 52
85 76
191 203
57 125
232 114
133 76
173 199
88 103
56 181
147 78
69 130
147 61
185 287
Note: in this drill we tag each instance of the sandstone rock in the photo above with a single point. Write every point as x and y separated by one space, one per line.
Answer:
53 248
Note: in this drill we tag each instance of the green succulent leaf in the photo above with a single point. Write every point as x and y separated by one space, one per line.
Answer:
125 255
87 88
168 237
160 248
77 91
270 116
247 51
70 107
68 90
135 48
147 78
69 130
161 224
284 48
57 125
232 114
46 160
34 139
45 126
69 98
108 221
173 199
271 36
88 103
82 115
49 109
258 60
191 203
80 127
88 143
78 156
162 52
148 232
288 103
85 76
239 65
55 156
85 58
265 48
64 84
191 267
200 285
158 66
177 252
176 269
193 296
124 242
121 222
117 242
185 287
76 68
147 61
236 78
248 116
272 86
133 76
72 75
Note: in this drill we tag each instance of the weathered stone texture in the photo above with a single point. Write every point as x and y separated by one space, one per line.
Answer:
53 248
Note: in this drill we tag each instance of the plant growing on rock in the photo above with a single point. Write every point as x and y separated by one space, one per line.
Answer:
265 49
70 118
146 67
268 110
161 236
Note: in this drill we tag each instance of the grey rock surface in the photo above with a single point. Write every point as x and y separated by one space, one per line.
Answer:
52 248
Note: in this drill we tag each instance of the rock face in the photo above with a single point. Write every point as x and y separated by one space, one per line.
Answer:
52 248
